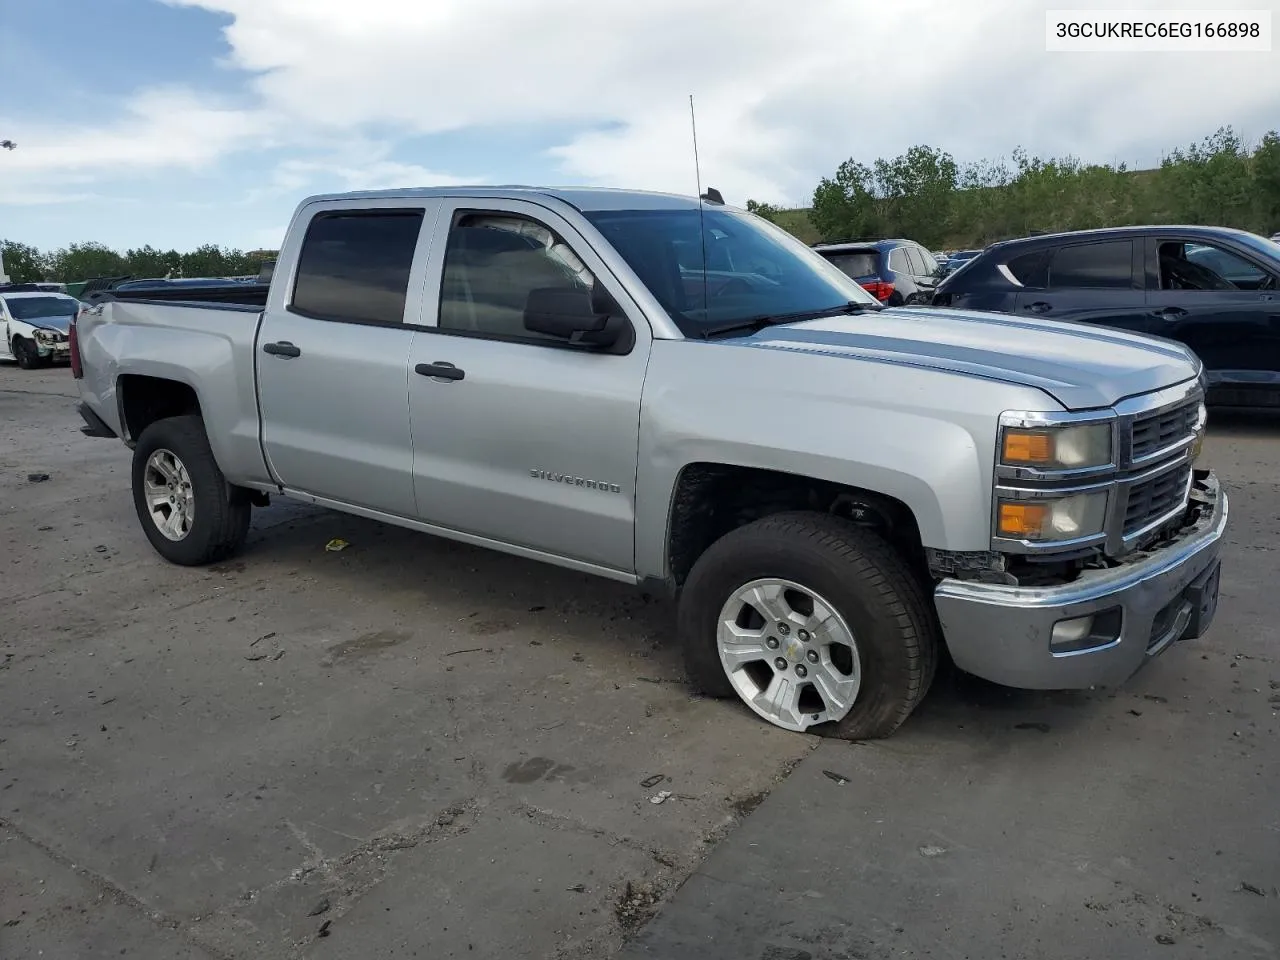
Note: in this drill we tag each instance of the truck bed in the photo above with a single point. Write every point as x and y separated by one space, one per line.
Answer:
207 346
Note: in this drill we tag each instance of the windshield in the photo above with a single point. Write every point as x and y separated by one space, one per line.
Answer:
753 269
1261 244
37 308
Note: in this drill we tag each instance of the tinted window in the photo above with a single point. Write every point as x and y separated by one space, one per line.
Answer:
898 261
1229 266
920 262
492 263
858 263
1030 269
754 269
355 266
1106 264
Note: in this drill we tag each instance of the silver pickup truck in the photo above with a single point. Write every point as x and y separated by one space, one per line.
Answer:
676 394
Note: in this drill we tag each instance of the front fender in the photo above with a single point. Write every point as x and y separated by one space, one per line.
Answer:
924 437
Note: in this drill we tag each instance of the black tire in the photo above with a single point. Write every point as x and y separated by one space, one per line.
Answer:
24 351
222 511
868 582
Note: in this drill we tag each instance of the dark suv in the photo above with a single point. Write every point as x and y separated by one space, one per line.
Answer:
1215 289
895 272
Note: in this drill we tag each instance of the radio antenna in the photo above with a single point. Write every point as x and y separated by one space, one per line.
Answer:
702 226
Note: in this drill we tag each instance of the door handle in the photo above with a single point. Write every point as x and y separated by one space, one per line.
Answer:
1169 313
441 370
1039 307
281 349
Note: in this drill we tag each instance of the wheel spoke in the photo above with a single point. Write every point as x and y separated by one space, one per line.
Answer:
837 691
819 622
769 602
162 466
779 701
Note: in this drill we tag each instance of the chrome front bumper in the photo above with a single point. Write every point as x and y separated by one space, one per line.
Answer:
1003 633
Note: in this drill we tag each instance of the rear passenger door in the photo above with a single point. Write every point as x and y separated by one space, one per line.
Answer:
1097 281
333 354
520 438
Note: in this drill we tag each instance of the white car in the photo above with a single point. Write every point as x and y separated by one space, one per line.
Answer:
35 325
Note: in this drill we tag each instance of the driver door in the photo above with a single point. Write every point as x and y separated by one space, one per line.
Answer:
521 438
1234 330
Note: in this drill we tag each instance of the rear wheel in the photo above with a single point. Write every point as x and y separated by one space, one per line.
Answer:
815 623
188 510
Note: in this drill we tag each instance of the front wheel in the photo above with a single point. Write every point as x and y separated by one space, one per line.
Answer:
188 510
815 623
24 351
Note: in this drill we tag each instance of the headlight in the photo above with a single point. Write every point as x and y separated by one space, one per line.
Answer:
1064 518
1057 448
46 336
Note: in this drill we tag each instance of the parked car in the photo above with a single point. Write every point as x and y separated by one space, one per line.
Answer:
1216 290
895 272
958 260
830 489
35 324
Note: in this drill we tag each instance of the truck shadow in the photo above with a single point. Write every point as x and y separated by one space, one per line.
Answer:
587 615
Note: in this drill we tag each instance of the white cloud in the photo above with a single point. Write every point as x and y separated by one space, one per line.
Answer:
159 128
785 91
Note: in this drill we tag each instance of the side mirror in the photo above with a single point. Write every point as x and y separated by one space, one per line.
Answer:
569 313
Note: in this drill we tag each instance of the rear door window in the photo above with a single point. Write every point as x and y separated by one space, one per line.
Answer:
1106 264
354 265
856 263
898 262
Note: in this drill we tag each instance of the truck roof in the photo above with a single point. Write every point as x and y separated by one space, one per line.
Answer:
582 198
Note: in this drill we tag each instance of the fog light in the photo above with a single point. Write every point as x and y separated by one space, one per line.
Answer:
1081 634
1068 633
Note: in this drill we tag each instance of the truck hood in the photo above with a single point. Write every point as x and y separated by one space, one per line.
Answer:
1081 366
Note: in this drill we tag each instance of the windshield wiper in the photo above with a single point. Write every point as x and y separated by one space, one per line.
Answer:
773 319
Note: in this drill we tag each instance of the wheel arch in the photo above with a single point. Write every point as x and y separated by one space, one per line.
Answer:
711 499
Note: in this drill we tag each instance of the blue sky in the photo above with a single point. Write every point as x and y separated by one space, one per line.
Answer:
180 122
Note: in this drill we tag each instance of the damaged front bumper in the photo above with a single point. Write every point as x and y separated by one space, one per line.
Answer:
1103 626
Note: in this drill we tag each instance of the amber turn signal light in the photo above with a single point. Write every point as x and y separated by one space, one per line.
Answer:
1022 519
1024 446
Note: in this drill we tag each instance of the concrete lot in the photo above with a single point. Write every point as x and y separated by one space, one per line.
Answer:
449 749
439 752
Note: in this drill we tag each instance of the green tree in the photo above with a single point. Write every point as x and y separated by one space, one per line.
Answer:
23 263
766 210
844 205
916 191
79 261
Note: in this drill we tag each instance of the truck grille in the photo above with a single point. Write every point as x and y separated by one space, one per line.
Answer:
1155 432
1149 500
